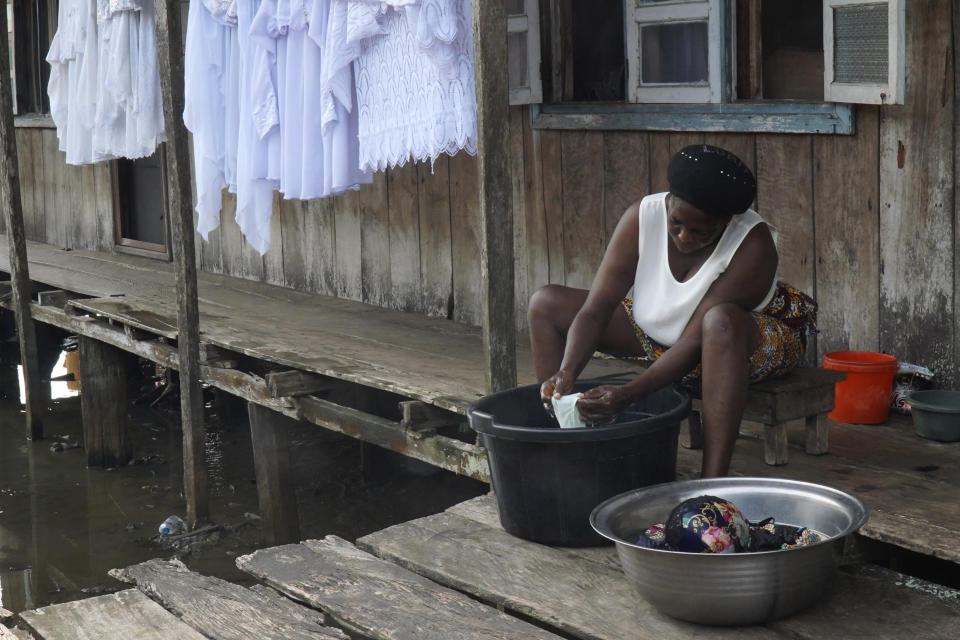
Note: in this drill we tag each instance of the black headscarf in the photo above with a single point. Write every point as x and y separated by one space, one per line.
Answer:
712 179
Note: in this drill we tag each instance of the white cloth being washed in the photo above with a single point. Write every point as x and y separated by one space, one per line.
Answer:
566 413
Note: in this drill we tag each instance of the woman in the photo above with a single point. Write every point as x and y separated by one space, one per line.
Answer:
706 304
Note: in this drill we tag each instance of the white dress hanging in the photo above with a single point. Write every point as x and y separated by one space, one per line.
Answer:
313 162
212 104
104 85
258 143
72 85
128 122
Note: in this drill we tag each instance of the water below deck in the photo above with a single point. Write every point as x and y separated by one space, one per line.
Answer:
63 525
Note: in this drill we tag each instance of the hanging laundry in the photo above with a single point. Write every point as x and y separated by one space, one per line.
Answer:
258 145
414 73
212 103
104 82
73 94
313 163
341 149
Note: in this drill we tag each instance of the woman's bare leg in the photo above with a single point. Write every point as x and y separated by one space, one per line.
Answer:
549 316
729 337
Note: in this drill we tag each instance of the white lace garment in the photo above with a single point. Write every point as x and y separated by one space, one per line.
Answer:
104 85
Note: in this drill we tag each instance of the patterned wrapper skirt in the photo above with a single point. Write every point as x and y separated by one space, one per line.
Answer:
784 324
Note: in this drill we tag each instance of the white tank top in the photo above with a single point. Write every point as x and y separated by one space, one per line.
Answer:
663 306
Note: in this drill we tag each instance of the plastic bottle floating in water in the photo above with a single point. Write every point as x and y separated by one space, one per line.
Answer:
172 526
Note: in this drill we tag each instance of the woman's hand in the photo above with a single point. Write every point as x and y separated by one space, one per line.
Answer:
602 404
556 386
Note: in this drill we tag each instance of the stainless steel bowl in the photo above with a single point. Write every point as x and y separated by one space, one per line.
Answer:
732 588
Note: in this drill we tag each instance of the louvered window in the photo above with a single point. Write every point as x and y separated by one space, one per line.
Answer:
863 51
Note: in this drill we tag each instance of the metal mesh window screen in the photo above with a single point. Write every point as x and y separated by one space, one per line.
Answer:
861 51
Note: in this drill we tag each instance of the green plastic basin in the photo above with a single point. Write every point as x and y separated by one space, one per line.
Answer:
936 414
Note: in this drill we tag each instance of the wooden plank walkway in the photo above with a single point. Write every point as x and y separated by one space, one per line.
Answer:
223 610
910 484
457 575
434 360
583 592
116 616
379 599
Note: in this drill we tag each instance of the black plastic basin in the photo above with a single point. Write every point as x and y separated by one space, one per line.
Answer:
547 480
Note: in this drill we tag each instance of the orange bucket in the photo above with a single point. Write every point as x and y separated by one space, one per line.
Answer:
864 397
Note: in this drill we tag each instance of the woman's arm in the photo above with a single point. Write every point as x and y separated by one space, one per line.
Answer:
611 283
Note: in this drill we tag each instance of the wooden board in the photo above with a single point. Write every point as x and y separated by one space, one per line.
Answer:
104 207
117 616
583 228
917 174
379 599
346 215
133 314
536 221
222 610
785 200
466 228
436 263
521 286
14 634
626 177
551 173
562 588
846 202
404 235
375 241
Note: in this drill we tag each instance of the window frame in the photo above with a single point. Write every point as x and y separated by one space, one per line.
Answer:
892 91
531 91
708 11
33 26
781 116
131 245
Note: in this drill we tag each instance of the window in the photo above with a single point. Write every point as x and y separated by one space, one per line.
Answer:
673 51
789 66
30 28
523 51
140 205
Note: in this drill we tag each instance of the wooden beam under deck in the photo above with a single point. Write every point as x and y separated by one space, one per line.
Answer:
444 452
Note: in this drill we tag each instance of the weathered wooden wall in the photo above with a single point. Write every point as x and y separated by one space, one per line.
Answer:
866 221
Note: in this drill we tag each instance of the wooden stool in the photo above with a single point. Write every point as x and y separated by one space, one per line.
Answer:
806 392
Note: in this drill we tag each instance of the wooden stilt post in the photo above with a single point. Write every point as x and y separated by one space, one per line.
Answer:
279 522
170 54
13 216
496 206
103 403
9 355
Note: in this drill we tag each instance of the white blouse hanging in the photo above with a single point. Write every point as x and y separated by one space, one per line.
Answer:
413 64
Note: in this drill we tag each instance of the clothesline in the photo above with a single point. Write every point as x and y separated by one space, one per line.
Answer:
304 97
